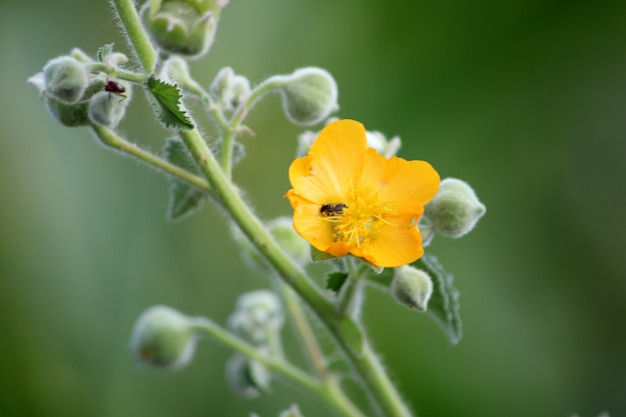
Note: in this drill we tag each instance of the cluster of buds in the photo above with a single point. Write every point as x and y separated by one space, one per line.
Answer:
76 96
258 318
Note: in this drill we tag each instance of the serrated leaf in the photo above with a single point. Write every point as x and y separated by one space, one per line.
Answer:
335 280
184 199
443 306
169 100
353 334
104 51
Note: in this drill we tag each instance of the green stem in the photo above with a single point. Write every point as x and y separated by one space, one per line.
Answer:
229 130
350 293
136 35
111 139
305 332
117 72
328 392
366 364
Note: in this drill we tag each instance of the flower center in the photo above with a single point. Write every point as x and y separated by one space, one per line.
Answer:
357 219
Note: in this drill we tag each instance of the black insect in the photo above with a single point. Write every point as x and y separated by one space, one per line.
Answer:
333 209
113 87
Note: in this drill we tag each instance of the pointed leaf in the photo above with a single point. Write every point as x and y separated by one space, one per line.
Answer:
335 280
443 306
169 101
104 51
184 199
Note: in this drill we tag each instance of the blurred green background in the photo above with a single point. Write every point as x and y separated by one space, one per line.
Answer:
524 99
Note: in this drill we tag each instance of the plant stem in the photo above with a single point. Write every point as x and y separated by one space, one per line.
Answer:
305 332
328 392
366 364
111 139
136 35
349 300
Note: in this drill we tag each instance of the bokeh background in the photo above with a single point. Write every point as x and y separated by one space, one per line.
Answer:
524 99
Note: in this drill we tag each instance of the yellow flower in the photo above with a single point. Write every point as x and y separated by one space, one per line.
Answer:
349 199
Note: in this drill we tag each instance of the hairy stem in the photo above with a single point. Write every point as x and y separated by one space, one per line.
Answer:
111 139
136 35
328 392
366 364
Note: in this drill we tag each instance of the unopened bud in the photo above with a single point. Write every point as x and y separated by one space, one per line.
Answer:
230 89
309 95
287 238
411 287
163 338
247 377
258 317
184 27
65 79
455 209
109 107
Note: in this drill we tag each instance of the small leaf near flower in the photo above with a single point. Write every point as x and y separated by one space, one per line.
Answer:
335 280
104 52
169 100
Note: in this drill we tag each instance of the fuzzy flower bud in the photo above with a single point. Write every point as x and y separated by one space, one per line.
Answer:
65 79
411 287
455 209
258 317
283 232
108 107
163 338
293 411
246 377
231 90
184 27
309 95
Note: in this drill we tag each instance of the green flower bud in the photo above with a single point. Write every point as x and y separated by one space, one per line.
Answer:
109 107
184 27
287 238
455 209
70 115
246 377
309 95
258 317
65 79
411 287
163 338
282 230
230 90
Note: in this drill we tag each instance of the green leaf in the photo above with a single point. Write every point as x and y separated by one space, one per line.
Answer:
352 334
169 101
335 280
184 199
104 51
443 306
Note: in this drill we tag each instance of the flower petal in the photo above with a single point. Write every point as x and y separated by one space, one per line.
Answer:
337 156
397 243
408 185
309 224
